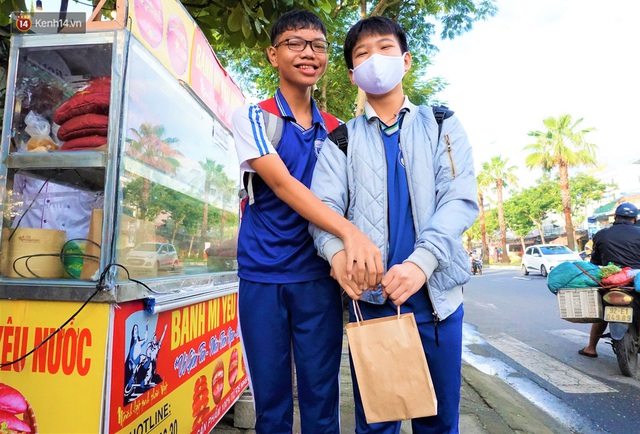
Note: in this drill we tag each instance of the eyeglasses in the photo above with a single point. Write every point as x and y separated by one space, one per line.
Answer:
298 44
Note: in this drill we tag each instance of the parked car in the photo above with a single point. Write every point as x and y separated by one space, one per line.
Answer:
153 257
541 258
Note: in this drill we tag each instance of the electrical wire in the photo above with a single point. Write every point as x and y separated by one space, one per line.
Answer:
99 287
21 358
62 255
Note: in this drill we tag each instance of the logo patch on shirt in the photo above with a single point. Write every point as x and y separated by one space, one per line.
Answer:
317 145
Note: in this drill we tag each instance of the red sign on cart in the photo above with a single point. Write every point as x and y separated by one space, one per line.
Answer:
179 370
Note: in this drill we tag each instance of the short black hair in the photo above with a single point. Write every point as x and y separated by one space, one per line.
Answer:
372 26
296 20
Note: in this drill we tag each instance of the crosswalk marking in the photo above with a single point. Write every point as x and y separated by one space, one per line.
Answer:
573 335
564 377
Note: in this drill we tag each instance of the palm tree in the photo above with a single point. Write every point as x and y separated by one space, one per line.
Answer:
228 191
150 147
483 182
562 146
501 176
212 171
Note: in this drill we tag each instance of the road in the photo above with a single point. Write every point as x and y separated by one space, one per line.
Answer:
513 330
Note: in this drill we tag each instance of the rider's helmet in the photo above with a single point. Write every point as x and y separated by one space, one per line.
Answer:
627 209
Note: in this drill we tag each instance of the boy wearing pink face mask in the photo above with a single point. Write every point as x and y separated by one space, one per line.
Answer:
411 189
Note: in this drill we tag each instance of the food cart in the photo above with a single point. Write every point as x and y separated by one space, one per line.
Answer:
118 183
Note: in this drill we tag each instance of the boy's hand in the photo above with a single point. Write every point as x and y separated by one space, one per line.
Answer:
363 260
402 281
339 272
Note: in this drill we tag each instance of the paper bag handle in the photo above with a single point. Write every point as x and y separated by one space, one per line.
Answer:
358 312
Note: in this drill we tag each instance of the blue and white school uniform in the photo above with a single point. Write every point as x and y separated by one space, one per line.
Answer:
289 307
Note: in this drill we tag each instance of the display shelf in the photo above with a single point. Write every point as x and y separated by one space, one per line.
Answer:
56 160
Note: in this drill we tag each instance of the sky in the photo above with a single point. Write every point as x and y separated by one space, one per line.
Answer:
541 58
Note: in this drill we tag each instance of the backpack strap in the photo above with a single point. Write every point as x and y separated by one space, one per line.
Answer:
340 136
441 112
274 125
272 121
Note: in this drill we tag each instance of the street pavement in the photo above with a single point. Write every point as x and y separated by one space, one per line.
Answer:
488 406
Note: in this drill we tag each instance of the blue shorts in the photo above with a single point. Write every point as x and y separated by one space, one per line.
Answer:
281 323
445 365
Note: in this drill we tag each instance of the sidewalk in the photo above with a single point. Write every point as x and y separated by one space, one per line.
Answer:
488 406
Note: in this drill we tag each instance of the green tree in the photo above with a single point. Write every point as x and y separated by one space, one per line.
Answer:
212 171
6 8
335 92
502 176
492 226
585 189
539 201
248 22
483 182
562 146
529 207
149 146
224 187
516 221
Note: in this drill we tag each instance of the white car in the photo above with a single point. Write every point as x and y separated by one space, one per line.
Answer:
153 257
541 258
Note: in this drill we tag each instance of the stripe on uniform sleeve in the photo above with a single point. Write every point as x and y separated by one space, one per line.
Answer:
258 129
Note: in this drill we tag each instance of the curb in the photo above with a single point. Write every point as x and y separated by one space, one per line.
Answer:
489 405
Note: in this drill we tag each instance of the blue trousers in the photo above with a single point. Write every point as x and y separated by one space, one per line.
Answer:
282 323
445 365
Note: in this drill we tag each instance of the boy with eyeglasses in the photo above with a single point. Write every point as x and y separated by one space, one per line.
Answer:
290 308
411 189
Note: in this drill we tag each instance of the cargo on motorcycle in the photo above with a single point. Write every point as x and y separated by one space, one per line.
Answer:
588 293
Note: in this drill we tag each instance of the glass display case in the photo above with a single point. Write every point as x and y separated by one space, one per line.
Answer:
120 212
111 167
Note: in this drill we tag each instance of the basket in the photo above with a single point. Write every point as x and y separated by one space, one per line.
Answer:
580 305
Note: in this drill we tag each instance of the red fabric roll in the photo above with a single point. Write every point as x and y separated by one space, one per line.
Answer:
83 103
85 125
84 143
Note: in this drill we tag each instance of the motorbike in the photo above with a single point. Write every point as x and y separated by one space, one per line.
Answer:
476 266
622 313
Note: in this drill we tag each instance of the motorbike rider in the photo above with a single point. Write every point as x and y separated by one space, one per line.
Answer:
618 244
476 261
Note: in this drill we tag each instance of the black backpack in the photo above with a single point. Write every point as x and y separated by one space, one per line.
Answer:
340 136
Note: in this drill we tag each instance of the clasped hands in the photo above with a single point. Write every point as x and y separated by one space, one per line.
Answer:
357 275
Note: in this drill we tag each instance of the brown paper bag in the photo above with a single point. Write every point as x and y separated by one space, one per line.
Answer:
391 368
92 260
